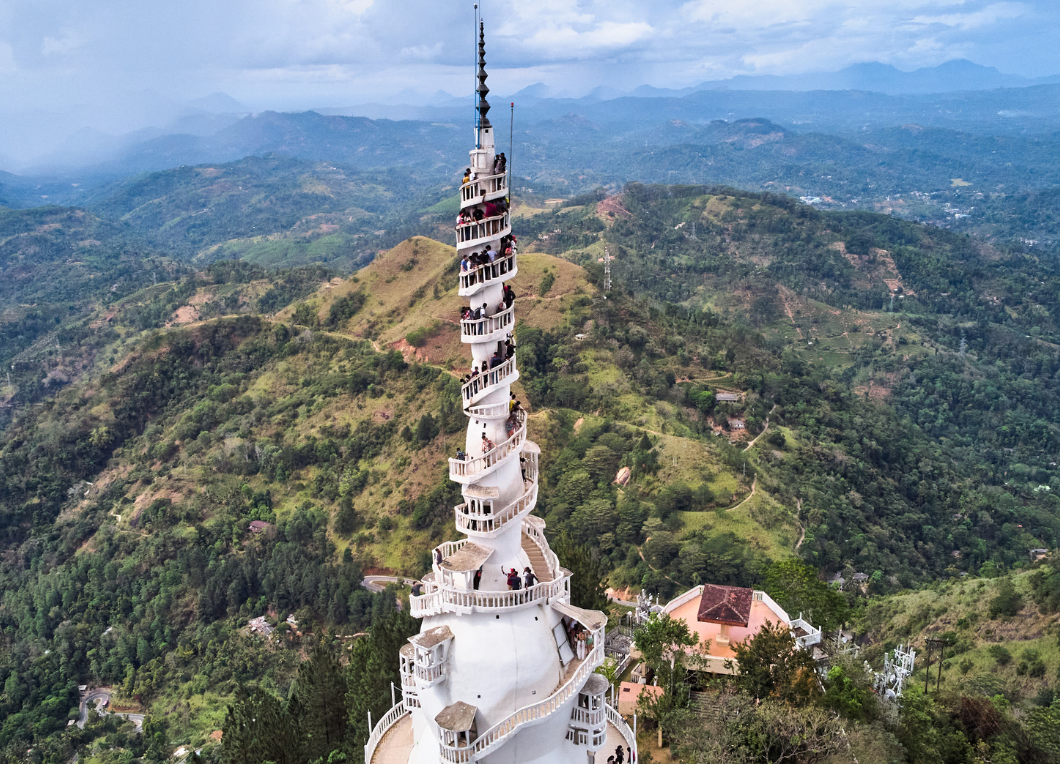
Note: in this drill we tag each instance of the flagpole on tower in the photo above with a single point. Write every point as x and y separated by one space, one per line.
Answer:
511 148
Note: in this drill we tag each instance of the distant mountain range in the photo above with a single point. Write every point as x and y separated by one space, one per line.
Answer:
874 77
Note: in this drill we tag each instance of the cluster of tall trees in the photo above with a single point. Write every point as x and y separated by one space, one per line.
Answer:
325 715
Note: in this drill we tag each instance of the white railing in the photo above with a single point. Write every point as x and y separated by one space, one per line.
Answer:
478 387
468 470
615 718
480 231
482 274
428 676
769 602
489 411
487 184
581 715
485 329
406 659
535 713
448 547
622 660
470 521
812 636
389 720
440 598
534 528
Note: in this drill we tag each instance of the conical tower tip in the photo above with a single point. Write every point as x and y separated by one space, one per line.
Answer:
483 104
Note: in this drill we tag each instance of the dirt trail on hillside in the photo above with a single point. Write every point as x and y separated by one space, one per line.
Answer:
759 435
754 486
789 311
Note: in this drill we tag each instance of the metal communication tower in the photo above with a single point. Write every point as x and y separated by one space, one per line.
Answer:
607 269
897 667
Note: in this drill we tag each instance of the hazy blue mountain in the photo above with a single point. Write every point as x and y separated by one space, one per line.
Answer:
951 76
218 103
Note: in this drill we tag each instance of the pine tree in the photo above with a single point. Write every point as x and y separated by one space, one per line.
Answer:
373 666
278 737
318 704
587 581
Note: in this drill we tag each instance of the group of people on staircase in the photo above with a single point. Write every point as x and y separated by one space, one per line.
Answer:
482 211
505 351
499 256
500 166
476 314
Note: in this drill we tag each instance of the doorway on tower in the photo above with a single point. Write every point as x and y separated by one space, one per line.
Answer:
575 640
566 652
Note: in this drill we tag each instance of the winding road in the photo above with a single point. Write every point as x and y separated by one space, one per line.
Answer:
102 697
379 583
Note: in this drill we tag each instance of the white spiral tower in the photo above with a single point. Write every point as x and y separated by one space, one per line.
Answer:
497 674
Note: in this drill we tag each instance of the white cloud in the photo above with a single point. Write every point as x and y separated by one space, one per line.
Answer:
976 19
291 51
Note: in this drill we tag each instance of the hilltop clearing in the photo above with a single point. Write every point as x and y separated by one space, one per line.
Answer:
407 299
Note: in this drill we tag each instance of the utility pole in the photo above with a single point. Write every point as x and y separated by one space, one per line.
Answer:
931 645
607 269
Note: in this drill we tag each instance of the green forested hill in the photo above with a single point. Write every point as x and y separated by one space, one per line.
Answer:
326 407
273 210
960 370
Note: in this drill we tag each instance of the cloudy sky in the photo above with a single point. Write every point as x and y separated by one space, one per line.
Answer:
288 54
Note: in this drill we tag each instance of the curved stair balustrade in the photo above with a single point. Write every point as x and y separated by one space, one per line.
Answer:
475 191
470 470
535 713
481 385
489 411
475 278
440 598
616 720
490 329
534 528
389 720
489 523
480 232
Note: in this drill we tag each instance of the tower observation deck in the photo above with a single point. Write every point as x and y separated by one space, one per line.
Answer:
500 674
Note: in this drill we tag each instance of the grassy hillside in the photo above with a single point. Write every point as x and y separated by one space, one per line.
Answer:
1000 632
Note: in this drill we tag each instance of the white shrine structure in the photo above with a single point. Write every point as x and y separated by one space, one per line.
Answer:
497 675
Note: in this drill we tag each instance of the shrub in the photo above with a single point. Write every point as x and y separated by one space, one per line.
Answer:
418 337
547 282
1007 602
1002 656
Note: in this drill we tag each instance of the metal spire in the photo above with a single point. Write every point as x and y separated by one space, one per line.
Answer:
483 104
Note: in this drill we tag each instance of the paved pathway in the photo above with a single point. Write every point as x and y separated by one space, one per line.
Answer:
100 697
